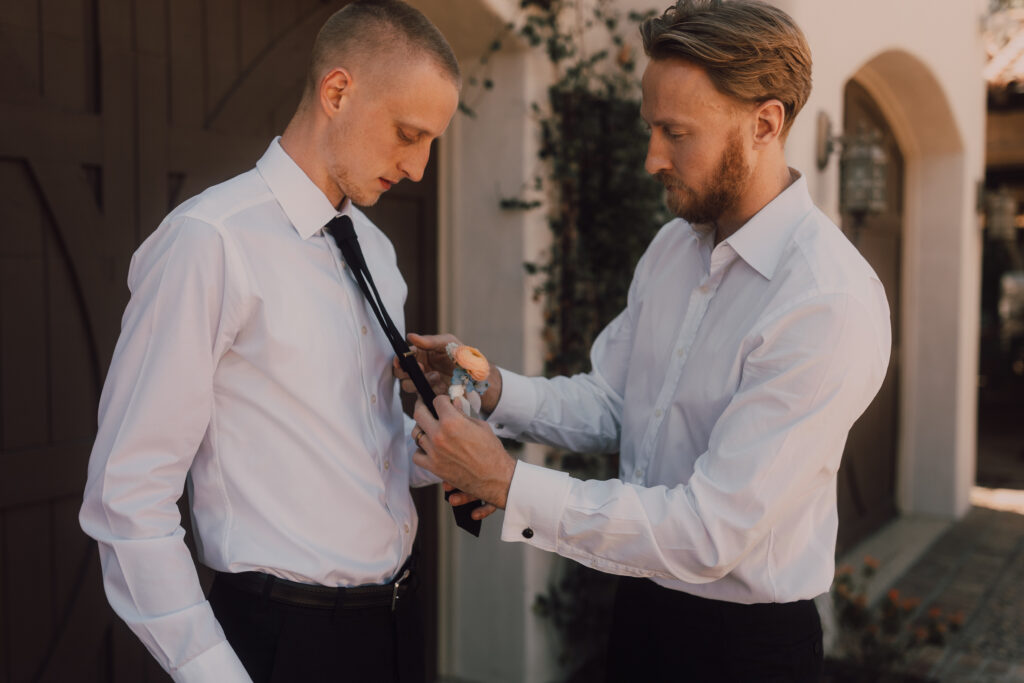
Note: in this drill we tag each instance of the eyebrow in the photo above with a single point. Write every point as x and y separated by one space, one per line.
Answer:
413 130
662 121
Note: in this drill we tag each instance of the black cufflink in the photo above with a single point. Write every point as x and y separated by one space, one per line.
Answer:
527 532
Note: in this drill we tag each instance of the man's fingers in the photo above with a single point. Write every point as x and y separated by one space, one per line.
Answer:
444 407
460 498
484 511
430 342
421 414
423 460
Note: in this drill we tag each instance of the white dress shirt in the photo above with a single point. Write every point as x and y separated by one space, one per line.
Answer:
249 361
728 385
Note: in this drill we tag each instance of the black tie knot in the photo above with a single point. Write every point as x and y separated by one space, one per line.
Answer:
341 228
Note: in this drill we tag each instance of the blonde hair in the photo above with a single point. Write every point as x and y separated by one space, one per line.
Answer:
750 50
378 29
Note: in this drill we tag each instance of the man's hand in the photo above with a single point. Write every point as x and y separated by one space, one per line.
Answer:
438 368
461 498
464 452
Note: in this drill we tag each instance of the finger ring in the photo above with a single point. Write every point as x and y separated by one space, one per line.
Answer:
419 435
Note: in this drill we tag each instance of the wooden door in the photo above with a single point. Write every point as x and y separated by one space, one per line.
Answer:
111 113
867 478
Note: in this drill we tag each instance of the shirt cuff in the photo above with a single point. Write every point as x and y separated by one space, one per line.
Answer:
516 407
219 663
534 507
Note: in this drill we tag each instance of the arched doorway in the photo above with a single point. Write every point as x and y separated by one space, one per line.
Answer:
867 478
111 113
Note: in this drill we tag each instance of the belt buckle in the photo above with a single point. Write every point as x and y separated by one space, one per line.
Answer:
394 593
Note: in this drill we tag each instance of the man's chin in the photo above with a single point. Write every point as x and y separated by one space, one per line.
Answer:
365 199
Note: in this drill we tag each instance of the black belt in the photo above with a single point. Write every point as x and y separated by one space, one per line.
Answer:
323 597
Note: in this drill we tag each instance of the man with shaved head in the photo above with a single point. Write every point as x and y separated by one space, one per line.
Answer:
248 367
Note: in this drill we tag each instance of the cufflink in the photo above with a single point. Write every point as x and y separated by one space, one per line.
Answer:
527 532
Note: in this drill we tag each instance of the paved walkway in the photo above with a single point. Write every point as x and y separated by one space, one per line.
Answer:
976 568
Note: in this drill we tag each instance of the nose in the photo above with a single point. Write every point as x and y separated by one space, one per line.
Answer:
657 159
413 164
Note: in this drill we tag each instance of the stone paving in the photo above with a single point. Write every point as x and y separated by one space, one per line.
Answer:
976 569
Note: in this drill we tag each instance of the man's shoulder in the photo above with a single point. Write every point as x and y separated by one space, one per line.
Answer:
826 255
820 266
217 204
199 223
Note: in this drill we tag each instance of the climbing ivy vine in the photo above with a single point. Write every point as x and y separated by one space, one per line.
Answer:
603 210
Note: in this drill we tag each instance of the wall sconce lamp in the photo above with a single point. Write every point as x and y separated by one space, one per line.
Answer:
863 166
1001 215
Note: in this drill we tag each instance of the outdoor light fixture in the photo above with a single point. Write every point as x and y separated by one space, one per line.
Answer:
863 166
1001 214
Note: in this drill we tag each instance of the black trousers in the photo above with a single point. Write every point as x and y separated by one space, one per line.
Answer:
281 643
665 635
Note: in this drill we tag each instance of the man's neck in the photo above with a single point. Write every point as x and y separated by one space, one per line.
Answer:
764 186
299 142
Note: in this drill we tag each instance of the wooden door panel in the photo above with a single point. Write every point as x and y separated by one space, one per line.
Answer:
30 605
19 51
867 478
72 359
111 113
23 353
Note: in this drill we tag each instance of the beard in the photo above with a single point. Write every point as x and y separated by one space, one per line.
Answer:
706 205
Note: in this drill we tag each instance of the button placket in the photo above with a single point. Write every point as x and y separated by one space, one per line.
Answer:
360 330
700 300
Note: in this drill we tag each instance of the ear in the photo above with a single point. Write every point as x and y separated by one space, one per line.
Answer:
334 86
770 116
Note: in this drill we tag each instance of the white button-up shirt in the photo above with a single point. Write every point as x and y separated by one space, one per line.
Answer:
249 361
728 384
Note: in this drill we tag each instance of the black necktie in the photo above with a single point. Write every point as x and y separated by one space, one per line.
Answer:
344 234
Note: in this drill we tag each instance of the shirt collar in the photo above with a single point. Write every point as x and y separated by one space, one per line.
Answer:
761 241
306 206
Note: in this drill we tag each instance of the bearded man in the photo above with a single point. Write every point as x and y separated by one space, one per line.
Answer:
753 337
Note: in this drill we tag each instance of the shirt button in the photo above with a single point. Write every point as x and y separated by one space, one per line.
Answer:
639 471
387 464
405 528
373 398
657 413
364 329
527 532
680 352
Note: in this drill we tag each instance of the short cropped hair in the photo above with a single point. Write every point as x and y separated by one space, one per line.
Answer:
377 27
750 50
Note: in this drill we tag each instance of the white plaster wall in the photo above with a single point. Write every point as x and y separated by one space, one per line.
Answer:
943 144
488 630
492 632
